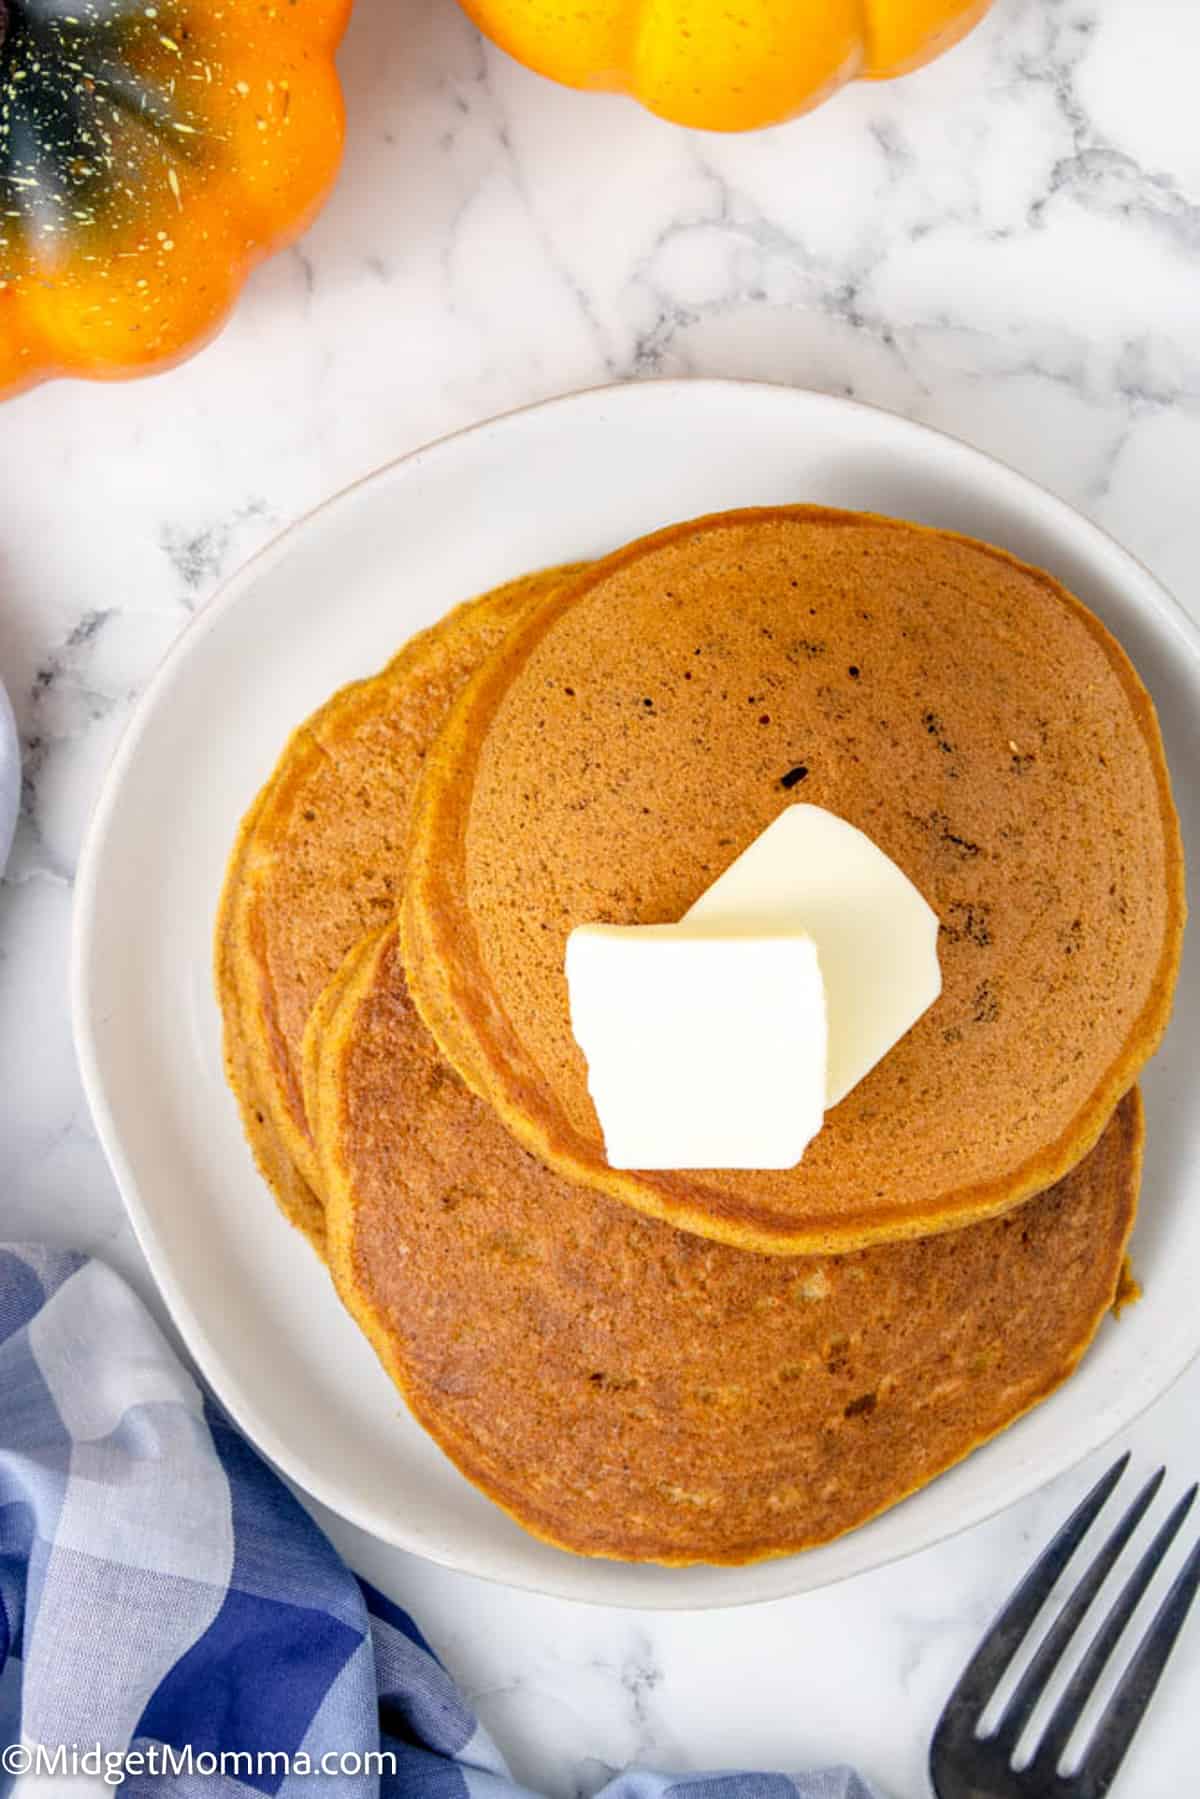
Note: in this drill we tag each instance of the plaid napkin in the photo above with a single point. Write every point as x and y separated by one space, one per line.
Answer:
171 1611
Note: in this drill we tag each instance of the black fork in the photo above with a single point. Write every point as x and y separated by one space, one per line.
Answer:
964 1765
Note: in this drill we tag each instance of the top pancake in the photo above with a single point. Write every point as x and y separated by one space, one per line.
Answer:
319 861
628 1390
637 731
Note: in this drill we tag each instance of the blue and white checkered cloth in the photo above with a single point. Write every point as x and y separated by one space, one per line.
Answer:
161 1589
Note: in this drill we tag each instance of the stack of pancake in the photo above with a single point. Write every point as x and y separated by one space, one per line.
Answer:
712 1366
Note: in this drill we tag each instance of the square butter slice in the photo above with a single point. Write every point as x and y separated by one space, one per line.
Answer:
876 935
705 1049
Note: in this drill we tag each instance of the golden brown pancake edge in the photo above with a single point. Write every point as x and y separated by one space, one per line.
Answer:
296 1198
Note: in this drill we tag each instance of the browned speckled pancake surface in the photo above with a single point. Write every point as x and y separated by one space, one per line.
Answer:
633 735
627 1390
319 861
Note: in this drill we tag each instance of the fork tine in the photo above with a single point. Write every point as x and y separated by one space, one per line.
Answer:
998 1647
1069 1709
1032 1684
1135 1689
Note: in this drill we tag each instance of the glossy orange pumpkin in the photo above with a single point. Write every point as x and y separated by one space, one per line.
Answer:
724 65
151 152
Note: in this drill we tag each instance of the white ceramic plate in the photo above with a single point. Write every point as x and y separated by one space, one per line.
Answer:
332 599
10 777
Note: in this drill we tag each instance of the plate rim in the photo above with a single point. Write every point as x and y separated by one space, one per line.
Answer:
1024 1480
10 770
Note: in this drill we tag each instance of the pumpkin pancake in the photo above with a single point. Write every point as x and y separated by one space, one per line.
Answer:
319 861
624 1389
637 732
297 1200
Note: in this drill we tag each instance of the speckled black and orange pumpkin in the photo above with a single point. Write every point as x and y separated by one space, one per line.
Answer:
151 152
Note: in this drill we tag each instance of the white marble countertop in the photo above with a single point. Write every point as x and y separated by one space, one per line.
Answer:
1006 245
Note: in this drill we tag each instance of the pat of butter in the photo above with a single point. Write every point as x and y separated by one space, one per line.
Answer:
705 1045
876 936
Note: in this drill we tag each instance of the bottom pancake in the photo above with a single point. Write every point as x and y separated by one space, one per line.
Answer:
625 1390
318 861
297 1199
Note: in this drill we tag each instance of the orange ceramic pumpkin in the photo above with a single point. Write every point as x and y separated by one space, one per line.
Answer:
724 65
151 152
